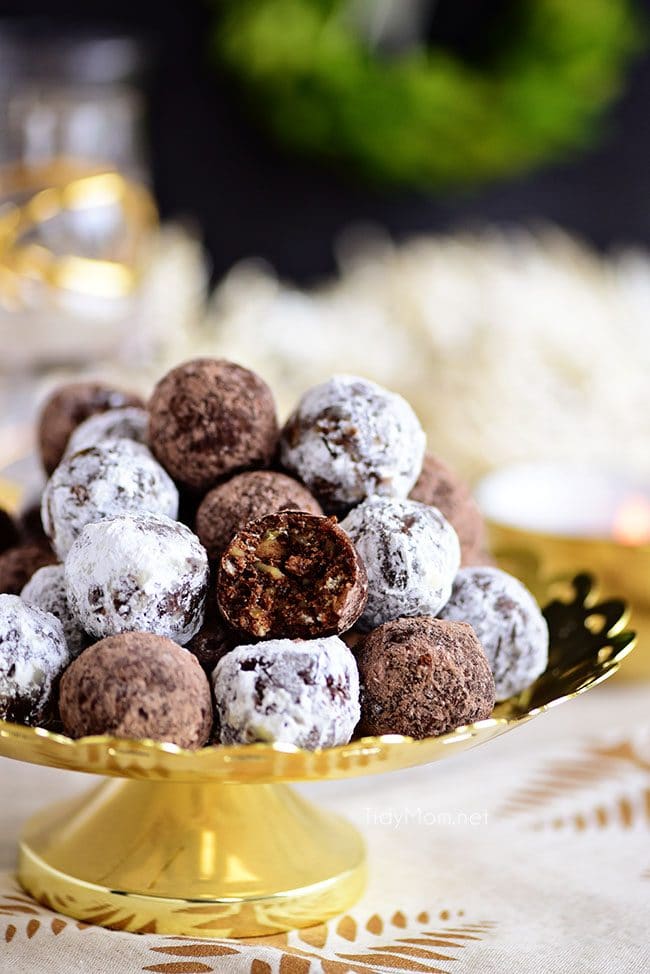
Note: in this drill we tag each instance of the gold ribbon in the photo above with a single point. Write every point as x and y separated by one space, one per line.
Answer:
46 191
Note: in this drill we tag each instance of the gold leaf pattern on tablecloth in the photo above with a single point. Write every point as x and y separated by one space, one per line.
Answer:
383 947
29 918
347 945
600 763
625 812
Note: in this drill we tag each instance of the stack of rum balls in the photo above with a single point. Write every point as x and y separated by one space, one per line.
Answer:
199 575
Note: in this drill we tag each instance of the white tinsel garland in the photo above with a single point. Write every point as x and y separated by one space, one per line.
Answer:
511 346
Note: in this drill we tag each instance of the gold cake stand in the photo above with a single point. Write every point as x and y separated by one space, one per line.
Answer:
213 843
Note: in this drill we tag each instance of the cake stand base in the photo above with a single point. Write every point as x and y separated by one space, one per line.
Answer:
201 860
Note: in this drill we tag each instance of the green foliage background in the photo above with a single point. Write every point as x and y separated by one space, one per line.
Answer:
426 118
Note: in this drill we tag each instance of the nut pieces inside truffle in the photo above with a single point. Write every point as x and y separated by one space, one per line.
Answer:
289 581
291 575
247 497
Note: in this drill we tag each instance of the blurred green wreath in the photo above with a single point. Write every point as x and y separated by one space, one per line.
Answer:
424 117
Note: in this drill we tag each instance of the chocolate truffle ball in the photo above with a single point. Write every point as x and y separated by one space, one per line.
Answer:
46 590
138 572
9 536
303 692
440 487
17 565
209 418
508 622
33 654
137 685
291 575
350 439
421 677
128 423
411 554
103 481
247 497
67 407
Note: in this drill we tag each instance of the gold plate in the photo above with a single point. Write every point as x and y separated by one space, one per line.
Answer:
179 849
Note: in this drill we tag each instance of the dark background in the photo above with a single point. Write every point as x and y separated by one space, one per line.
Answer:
212 165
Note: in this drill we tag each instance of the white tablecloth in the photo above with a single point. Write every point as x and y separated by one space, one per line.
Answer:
554 874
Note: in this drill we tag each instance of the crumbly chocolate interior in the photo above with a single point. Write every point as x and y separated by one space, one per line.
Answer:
291 575
248 497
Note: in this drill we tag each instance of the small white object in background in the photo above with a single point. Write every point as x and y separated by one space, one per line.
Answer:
570 500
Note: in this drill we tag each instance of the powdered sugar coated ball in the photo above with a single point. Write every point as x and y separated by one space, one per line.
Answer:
128 423
302 692
46 590
138 573
100 482
411 554
508 623
350 439
33 654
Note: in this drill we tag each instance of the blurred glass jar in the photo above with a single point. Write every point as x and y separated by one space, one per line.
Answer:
72 94
76 221
89 281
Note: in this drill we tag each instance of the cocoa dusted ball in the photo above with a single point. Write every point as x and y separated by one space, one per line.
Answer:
209 418
421 677
438 486
67 407
17 565
247 497
9 536
137 685
291 575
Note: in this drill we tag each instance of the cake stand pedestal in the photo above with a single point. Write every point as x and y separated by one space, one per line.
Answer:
204 859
